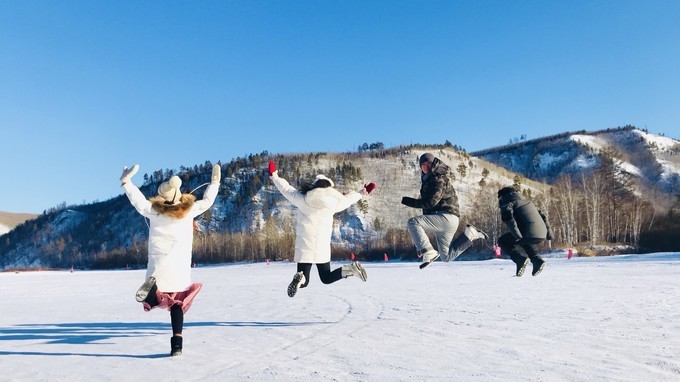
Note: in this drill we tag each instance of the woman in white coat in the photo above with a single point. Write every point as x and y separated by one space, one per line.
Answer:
316 204
171 215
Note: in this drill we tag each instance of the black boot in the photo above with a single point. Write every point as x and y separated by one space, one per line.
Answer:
521 266
176 345
538 264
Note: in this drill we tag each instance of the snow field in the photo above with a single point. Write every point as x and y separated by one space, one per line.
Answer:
585 319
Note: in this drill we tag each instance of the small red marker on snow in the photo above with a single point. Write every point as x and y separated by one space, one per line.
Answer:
352 256
386 258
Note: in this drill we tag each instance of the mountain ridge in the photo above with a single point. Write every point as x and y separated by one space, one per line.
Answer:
251 221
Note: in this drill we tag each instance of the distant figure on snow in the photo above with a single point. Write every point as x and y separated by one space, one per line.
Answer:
316 204
171 215
439 203
528 227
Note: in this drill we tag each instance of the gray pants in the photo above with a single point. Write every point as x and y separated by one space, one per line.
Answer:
444 227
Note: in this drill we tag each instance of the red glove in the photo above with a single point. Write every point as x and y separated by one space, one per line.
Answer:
272 167
369 187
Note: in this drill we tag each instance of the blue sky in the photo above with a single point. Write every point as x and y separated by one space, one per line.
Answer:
87 87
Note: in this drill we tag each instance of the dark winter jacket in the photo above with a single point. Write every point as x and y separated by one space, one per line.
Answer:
523 218
436 192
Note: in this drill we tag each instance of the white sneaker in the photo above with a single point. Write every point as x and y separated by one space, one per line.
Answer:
430 256
354 269
473 233
298 280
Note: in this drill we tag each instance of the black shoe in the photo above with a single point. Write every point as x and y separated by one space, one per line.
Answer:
538 266
176 345
521 267
294 285
144 290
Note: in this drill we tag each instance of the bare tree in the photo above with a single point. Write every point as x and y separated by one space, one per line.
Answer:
566 200
593 189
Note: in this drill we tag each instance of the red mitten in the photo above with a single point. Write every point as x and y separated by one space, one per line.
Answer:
272 167
369 187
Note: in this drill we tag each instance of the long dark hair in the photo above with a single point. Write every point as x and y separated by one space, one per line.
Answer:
321 183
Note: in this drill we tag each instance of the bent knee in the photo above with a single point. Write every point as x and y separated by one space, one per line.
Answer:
412 222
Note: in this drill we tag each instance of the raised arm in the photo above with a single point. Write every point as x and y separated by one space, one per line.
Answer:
136 198
354 197
289 192
210 193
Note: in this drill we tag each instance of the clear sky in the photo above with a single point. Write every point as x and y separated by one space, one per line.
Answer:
87 87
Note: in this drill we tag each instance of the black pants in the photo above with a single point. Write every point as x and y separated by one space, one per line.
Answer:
176 313
325 274
511 247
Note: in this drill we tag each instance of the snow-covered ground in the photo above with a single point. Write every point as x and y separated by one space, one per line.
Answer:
585 319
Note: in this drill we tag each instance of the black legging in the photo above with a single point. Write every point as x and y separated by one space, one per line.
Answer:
325 274
176 313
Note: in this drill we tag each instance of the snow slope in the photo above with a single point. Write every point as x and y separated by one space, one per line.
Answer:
585 319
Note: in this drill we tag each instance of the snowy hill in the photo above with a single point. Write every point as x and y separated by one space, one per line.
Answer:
653 160
251 220
74 235
581 320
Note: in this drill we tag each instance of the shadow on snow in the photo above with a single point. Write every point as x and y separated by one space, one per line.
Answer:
89 332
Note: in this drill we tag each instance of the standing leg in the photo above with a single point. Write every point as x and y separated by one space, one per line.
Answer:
177 320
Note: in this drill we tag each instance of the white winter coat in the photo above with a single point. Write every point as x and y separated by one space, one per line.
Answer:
315 219
170 239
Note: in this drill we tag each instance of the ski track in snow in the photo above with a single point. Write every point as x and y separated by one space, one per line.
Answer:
587 319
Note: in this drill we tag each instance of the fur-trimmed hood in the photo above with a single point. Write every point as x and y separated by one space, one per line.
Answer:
326 197
177 211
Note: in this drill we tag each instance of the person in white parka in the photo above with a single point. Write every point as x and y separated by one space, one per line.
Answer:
316 204
171 215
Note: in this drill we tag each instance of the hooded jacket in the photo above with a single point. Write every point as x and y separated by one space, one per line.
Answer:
436 192
521 216
314 226
171 235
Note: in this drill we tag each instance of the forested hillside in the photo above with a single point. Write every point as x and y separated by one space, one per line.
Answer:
251 221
